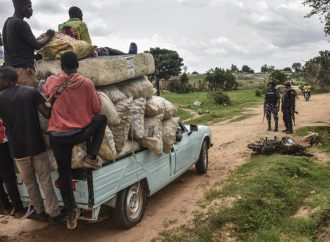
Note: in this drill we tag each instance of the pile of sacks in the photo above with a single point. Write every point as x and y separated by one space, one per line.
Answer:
136 119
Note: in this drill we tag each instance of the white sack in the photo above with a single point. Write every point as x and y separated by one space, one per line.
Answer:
154 106
137 125
169 133
129 148
120 131
157 105
153 134
137 88
170 109
108 109
113 93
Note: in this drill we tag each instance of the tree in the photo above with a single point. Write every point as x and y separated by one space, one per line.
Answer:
168 63
297 67
278 76
311 70
184 78
267 69
264 68
318 69
321 8
194 73
234 68
287 69
220 79
247 69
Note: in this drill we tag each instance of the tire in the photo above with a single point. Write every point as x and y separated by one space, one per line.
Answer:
203 161
130 206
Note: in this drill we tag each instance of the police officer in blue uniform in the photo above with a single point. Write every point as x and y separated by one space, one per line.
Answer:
288 107
272 105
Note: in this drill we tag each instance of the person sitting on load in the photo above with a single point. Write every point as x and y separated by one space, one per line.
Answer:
75 27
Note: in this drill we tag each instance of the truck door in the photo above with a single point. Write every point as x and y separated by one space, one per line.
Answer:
183 150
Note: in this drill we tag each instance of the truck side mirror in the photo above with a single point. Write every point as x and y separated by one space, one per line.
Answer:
193 128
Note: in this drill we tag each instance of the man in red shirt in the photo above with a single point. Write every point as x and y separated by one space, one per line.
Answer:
74 119
8 177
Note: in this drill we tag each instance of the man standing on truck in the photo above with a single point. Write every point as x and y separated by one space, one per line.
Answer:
19 107
272 105
74 119
20 43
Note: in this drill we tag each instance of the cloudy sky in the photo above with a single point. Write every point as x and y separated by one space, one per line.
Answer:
206 33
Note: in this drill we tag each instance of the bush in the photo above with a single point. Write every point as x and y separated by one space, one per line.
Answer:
179 87
219 97
220 79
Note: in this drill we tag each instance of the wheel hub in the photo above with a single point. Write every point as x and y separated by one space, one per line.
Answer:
134 202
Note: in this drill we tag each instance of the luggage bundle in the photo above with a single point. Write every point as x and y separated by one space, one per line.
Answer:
62 43
136 118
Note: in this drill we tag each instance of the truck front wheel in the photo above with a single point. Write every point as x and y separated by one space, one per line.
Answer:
130 206
203 161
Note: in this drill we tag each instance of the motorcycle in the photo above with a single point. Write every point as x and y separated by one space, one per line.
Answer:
307 95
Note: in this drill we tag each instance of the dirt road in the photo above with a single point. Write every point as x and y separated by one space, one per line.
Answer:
175 204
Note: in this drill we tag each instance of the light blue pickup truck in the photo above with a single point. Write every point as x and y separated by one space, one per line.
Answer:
126 183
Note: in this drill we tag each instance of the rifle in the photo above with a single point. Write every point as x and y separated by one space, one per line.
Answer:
263 118
294 117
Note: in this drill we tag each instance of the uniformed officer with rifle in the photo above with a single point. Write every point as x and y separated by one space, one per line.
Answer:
288 107
272 105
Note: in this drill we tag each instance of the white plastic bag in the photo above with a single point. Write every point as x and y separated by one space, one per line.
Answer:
108 149
78 154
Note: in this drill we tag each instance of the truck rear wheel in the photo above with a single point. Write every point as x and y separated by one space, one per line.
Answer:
130 206
203 161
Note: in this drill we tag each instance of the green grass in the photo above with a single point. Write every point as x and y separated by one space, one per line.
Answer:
240 99
268 192
183 114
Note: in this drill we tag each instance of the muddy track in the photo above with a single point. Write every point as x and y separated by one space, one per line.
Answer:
175 204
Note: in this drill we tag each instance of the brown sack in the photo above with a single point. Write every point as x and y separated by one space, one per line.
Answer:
62 43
